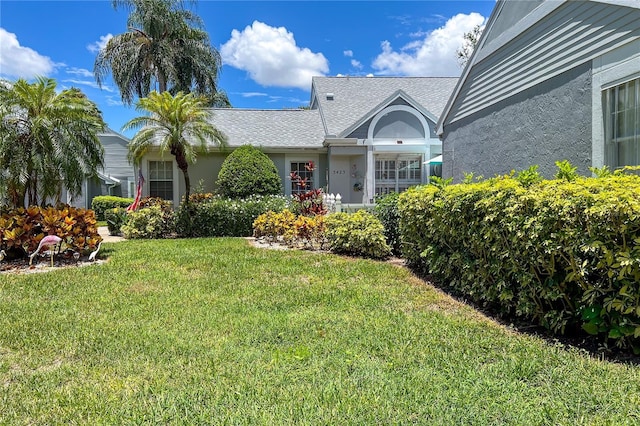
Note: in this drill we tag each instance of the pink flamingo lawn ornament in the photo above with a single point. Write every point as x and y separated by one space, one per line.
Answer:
49 241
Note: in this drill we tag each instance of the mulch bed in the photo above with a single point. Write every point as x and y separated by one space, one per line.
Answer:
43 264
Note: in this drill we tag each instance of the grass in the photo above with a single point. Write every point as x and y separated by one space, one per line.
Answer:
213 331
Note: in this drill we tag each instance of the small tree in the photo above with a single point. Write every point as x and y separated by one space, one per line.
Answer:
48 141
311 202
248 171
469 43
180 124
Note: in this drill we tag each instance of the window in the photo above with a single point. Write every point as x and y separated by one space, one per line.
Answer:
398 174
621 106
303 169
161 179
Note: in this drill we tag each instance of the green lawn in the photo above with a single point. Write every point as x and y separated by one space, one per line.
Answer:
214 331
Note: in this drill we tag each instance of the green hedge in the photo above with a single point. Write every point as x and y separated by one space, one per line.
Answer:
564 254
102 203
223 217
153 222
356 234
386 210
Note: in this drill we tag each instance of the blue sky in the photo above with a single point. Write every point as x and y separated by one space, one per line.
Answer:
270 50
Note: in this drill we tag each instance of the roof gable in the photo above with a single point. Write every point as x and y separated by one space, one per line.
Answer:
393 99
356 98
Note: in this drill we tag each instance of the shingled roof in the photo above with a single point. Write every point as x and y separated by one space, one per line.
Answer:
355 97
270 128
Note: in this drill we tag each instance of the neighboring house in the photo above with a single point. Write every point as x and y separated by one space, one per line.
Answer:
366 136
549 80
116 178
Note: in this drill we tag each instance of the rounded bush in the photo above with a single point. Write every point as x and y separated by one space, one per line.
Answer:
357 234
149 223
248 171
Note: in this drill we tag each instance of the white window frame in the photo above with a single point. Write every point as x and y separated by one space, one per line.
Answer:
172 180
611 115
288 188
608 70
396 184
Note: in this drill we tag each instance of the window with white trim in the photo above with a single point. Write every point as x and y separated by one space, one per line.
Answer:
397 174
304 171
161 179
621 108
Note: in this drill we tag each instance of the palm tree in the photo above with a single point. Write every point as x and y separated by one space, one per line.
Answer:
166 47
171 124
48 141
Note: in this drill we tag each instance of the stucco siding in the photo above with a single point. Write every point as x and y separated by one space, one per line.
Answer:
541 125
206 169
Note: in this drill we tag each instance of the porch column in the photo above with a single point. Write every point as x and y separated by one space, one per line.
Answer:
370 189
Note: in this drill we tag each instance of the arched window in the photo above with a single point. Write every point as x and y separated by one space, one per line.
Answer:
398 125
398 122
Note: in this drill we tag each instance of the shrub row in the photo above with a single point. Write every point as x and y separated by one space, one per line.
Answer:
357 234
102 203
22 229
223 217
565 254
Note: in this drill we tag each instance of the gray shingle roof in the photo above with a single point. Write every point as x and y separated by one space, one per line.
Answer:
356 97
270 128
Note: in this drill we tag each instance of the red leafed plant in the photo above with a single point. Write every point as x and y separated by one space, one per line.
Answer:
308 203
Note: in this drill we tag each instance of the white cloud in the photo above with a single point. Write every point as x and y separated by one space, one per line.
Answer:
97 46
435 55
19 61
251 94
79 71
356 64
289 99
272 58
348 53
113 101
88 83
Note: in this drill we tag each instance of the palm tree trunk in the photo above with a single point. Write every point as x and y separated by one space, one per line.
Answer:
184 166
162 83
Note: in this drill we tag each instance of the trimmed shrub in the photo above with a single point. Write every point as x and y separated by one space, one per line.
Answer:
386 210
224 217
248 171
149 222
357 234
564 253
102 203
115 219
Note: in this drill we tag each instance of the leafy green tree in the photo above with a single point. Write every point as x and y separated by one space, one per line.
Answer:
248 171
48 141
172 123
164 49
